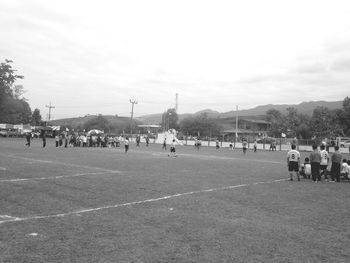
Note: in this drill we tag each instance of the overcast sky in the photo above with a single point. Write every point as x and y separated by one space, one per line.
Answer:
91 57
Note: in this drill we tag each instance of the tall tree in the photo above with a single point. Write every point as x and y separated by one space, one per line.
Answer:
8 77
13 108
346 115
36 117
170 119
292 121
277 126
201 125
99 123
321 121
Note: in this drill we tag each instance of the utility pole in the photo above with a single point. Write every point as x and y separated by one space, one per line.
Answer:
176 102
50 107
236 121
133 102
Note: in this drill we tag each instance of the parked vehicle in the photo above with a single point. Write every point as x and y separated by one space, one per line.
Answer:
8 133
344 144
3 133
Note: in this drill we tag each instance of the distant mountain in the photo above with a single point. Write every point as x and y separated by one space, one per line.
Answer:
304 108
257 112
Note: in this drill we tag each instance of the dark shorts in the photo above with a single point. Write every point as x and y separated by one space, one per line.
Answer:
293 166
335 169
315 169
323 167
172 149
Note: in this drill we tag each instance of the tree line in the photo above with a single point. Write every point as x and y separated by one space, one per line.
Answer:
14 108
323 122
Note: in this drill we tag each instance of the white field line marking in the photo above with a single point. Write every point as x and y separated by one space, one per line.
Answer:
3 169
240 159
62 163
18 219
53 177
208 157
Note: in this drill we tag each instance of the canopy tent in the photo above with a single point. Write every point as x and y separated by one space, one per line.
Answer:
94 132
43 128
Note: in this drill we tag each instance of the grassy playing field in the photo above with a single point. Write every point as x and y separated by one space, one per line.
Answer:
102 205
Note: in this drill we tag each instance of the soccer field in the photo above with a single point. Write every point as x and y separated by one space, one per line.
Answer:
102 205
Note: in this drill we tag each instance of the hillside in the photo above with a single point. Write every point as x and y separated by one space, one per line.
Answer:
77 123
304 108
257 112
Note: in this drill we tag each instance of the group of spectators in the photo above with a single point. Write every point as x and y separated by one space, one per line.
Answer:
64 139
319 164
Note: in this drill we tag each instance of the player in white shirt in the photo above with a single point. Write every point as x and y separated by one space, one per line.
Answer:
324 161
293 161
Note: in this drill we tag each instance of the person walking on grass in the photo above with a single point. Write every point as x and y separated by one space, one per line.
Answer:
172 149
126 144
28 138
315 160
336 163
293 162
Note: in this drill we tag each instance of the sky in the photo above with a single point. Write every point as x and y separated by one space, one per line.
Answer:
92 57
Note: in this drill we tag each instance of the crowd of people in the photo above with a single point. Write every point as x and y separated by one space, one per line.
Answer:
318 164
65 139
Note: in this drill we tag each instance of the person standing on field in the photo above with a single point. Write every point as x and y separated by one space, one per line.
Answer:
324 162
315 160
172 149
43 136
164 144
255 145
336 163
293 162
28 138
217 144
244 144
126 144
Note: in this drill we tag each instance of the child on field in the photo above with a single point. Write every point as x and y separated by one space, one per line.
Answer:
307 167
344 170
231 146
305 170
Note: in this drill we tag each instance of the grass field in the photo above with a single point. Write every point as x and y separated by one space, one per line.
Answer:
102 205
